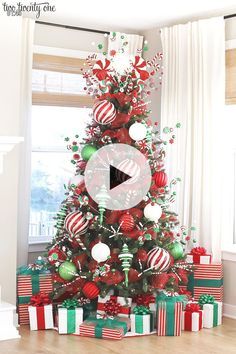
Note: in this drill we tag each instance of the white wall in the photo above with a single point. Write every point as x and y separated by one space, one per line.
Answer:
9 125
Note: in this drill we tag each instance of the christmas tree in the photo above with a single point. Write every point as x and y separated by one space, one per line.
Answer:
134 251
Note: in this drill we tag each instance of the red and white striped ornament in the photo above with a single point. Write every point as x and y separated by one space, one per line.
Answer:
129 167
158 259
104 112
126 222
76 223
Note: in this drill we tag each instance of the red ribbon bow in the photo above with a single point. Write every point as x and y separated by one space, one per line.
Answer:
112 308
40 299
200 251
192 307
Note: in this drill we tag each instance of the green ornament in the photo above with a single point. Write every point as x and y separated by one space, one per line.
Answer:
74 148
113 34
67 270
100 46
176 250
145 48
166 130
122 37
178 125
88 151
104 53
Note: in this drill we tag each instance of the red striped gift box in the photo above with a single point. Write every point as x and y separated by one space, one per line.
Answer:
207 279
28 285
169 317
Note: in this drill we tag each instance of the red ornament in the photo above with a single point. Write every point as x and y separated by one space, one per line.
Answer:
90 290
159 281
101 69
56 255
142 255
126 222
76 223
160 178
104 112
133 275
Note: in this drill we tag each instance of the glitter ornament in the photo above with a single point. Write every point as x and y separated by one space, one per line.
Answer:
102 198
100 252
160 179
176 250
104 112
126 258
159 259
88 151
67 270
137 131
60 217
90 290
126 222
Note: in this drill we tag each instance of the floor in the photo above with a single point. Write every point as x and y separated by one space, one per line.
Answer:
218 340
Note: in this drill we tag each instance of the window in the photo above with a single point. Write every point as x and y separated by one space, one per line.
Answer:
60 108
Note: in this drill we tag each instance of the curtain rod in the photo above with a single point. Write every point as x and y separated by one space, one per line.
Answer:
71 27
229 16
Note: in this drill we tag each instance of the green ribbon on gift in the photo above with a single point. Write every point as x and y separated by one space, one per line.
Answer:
70 303
139 322
100 323
168 303
205 283
25 270
71 319
141 310
206 299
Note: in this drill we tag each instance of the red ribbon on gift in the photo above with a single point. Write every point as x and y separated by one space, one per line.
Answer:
198 251
192 307
40 299
112 307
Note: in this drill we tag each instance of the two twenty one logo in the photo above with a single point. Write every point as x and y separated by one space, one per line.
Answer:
33 7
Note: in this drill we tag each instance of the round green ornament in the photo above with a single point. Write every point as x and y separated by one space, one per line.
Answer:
67 270
88 151
176 250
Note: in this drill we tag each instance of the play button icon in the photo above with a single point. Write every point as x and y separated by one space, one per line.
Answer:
118 176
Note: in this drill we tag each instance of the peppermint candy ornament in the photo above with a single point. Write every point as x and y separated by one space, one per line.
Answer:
104 112
140 66
126 222
159 259
129 167
76 223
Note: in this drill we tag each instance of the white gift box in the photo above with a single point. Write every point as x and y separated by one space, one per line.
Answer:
212 318
153 309
146 324
206 259
63 319
41 317
125 304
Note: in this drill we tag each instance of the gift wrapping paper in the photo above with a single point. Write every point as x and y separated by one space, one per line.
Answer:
124 302
69 320
153 309
192 321
143 324
28 285
40 317
198 259
169 317
212 315
207 279
105 328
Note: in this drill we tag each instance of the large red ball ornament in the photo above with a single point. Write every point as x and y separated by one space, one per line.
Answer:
76 223
158 259
104 112
126 222
160 178
90 290
133 275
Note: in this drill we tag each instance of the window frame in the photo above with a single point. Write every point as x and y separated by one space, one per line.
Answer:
64 64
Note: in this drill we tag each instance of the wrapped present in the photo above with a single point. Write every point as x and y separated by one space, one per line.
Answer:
40 312
169 314
147 300
70 317
192 318
142 320
199 255
110 328
207 279
212 311
124 305
31 280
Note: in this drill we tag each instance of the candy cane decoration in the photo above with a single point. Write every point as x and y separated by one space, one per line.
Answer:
156 57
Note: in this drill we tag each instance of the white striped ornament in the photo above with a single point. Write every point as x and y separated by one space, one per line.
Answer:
158 259
76 223
104 112
129 167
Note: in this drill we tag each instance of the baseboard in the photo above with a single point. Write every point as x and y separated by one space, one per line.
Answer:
229 311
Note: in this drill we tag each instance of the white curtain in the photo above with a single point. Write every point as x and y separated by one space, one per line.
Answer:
27 37
134 46
193 94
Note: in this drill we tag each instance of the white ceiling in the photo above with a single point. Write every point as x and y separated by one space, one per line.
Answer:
134 15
